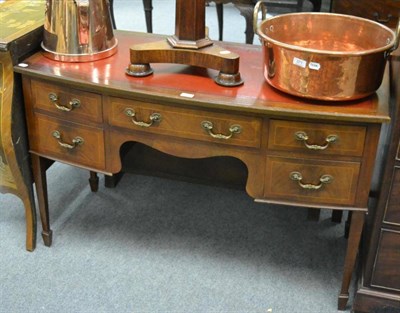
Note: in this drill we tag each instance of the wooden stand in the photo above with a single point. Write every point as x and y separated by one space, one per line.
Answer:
189 46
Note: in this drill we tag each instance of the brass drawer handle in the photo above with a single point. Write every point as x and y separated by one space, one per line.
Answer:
324 179
74 103
75 142
154 118
302 136
208 126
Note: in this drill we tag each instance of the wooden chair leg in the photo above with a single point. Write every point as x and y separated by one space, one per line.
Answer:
94 181
356 227
113 24
247 12
313 214
337 216
148 8
347 225
299 5
316 5
39 173
220 16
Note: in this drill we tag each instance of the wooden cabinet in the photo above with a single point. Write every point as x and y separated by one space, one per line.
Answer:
383 11
17 40
296 152
379 288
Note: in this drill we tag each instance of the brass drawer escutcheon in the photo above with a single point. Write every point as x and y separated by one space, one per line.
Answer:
74 103
208 126
75 142
154 118
302 136
324 179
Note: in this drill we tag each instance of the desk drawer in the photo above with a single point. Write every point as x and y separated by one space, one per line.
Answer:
78 144
392 212
386 273
185 123
292 179
67 103
316 138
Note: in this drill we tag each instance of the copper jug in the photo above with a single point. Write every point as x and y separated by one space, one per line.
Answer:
78 30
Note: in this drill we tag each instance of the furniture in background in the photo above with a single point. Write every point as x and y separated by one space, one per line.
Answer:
245 8
386 12
196 118
148 8
379 286
21 33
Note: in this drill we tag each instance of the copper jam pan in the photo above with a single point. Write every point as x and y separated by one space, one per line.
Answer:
324 56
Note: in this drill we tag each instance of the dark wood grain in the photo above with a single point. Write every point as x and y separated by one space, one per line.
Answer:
379 287
383 11
184 97
17 40
171 80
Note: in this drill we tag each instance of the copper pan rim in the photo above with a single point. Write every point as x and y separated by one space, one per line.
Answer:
270 40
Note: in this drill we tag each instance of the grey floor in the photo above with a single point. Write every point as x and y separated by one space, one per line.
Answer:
159 245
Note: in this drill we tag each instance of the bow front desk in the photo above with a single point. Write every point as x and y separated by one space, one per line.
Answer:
297 152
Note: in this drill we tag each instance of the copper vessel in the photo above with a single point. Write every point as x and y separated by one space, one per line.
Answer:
324 56
78 30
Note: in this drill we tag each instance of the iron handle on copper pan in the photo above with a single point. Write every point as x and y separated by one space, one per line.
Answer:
260 5
396 40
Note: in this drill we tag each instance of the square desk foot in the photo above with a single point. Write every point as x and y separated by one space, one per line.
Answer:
342 301
47 237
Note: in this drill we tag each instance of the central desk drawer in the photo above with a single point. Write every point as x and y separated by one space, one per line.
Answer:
186 123
316 138
324 182
78 144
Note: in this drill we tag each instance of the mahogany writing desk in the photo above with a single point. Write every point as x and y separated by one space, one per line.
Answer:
297 152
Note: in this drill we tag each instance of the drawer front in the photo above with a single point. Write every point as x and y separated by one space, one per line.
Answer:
386 273
67 103
384 11
89 152
316 138
392 214
186 123
324 182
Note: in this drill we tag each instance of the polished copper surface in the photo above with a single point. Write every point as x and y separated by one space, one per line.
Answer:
173 80
324 55
78 31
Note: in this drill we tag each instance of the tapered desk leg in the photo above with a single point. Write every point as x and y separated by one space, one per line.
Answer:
356 227
39 174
